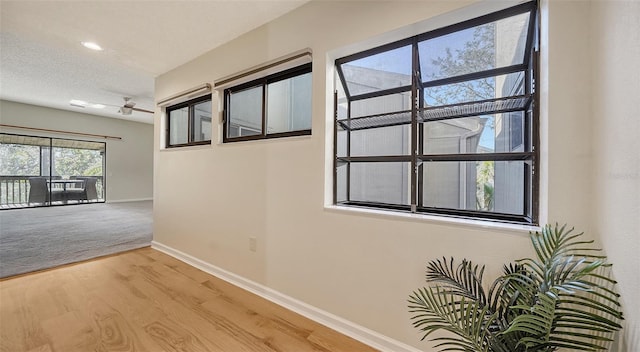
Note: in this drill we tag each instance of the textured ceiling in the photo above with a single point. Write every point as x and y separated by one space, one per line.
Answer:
43 63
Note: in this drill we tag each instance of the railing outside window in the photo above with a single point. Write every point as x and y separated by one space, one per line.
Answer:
14 191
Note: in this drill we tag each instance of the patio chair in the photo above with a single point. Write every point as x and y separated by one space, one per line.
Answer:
86 193
90 190
39 192
77 184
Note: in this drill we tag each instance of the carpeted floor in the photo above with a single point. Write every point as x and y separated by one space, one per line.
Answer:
40 238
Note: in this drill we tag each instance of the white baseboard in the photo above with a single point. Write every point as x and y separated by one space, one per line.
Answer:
128 200
355 331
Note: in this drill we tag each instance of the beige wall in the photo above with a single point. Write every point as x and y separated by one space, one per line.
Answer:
129 161
210 200
615 144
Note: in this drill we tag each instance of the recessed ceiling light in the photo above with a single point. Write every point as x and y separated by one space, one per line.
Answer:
92 46
84 104
78 103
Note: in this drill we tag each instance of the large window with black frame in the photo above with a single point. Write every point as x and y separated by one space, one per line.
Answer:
444 122
189 123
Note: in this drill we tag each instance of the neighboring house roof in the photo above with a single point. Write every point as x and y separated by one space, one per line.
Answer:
361 80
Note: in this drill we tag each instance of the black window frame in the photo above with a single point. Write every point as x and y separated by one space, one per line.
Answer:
417 157
262 82
190 122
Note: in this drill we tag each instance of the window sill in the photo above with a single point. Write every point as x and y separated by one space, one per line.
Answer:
440 220
289 134
299 137
187 147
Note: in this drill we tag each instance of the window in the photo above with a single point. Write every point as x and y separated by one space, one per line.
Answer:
278 105
444 122
41 171
189 123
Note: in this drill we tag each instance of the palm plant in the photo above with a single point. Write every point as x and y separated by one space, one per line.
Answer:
564 298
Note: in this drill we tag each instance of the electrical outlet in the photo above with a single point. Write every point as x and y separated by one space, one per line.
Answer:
253 242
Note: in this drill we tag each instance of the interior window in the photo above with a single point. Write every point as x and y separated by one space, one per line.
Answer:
278 105
189 123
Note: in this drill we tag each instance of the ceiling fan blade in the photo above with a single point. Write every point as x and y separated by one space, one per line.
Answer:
142 110
128 103
125 110
113 105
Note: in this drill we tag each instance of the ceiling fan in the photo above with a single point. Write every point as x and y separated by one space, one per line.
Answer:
129 107
126 109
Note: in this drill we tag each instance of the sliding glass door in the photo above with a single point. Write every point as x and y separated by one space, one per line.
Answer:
40 171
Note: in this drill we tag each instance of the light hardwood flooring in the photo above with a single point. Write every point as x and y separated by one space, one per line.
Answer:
144 300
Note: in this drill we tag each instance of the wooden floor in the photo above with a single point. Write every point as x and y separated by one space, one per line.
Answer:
144 300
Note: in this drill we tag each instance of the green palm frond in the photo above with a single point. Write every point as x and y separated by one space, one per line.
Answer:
464 280
573 307
555 242
437 309
562 298
536 321
515 285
